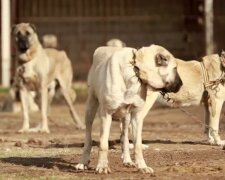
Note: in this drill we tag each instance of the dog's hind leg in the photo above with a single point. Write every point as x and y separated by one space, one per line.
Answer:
65 89
51 94
213 133
91 108
125 142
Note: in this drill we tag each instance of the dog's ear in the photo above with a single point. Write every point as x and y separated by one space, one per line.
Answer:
13 28
222 58
33 27
161 60
222 53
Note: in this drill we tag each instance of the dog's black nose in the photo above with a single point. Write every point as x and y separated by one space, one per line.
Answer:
174 86
23 44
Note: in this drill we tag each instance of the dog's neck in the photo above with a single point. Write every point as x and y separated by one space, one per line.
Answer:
30 53
213 66
132 80
135 68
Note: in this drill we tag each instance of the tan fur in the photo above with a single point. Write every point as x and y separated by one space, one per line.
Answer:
39 70
192 90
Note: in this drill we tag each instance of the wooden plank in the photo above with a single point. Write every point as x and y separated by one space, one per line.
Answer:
103 18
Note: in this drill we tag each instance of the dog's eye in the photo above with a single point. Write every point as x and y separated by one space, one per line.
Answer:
18 33
27 33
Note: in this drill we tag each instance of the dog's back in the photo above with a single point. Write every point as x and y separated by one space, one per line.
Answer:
103 54
59 63
107 59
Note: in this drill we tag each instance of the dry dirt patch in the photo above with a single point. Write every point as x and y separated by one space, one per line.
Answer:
177 148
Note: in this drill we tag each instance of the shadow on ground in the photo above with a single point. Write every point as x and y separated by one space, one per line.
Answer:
43 162
112 143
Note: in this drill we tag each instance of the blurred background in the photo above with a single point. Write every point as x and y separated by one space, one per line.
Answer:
82 25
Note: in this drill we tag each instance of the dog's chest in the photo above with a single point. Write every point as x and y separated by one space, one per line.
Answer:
129 103
28 77
122 111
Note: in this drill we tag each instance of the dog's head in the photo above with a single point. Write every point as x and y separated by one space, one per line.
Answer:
25 36
158 68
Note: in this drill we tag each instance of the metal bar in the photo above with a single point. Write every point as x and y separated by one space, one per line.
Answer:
6 51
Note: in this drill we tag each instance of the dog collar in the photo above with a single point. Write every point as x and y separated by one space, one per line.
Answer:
211 88
135 68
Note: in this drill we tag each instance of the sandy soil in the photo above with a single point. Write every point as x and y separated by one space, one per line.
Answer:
177 148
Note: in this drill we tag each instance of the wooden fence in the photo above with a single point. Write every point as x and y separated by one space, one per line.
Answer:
83 25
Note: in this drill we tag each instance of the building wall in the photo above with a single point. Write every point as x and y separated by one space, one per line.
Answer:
83 25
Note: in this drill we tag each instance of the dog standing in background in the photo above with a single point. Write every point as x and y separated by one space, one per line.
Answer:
39 70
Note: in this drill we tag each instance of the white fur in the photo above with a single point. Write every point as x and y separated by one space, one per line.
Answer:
116 91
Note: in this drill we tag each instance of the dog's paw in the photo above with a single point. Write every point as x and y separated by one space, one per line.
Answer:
127 160
81 127
103 167
44 130
217 143
105 170
144 146
39 130
142 167
23 130
220 143
129 164
81 167
145 170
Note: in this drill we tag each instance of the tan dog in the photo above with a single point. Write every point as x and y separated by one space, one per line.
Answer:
118 82
39 70
191 93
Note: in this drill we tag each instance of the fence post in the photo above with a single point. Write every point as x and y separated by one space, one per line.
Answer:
209 41
5 43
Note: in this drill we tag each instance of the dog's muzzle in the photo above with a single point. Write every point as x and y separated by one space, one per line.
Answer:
174 86
23 44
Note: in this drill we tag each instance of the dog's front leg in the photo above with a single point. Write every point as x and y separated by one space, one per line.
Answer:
102 166
125 142
213 129
25 107
137 124
44 110
149 102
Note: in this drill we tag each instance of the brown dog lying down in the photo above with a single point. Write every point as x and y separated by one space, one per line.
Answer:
39 70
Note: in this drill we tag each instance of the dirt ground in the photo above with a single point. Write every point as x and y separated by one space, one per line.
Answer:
177 148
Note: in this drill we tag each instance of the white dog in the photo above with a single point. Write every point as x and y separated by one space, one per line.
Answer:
118 82
197 77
